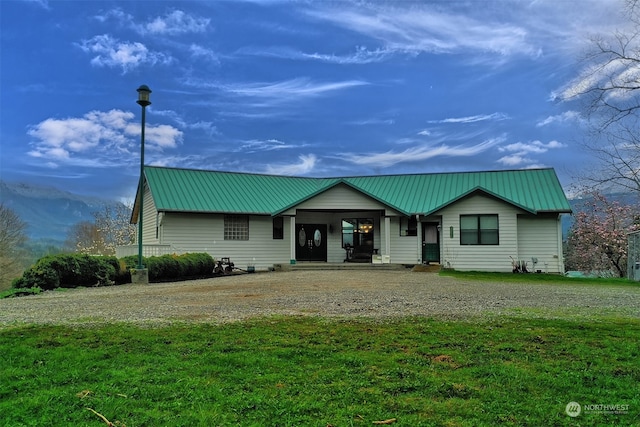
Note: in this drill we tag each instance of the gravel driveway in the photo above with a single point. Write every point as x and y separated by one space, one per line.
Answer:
370 294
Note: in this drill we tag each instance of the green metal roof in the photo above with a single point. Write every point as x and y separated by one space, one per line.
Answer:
189 190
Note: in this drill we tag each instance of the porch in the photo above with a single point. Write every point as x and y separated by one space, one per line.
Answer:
343 266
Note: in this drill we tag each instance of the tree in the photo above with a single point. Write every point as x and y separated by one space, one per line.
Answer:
85 238
110 228
12 240
597 240
113 223
609 87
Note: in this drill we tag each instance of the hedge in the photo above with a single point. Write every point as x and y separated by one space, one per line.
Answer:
73 270
67 271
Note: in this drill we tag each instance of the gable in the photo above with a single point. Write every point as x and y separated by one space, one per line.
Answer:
339 197
480 203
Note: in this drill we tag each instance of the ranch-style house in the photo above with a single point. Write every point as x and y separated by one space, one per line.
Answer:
482 221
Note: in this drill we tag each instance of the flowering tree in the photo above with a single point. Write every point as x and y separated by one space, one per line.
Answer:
113 224
598 239
111 228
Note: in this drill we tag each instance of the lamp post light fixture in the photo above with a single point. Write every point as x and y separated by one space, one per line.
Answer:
143 101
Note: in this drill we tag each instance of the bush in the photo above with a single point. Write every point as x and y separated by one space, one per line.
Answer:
73 270
121 268
67 271
172 267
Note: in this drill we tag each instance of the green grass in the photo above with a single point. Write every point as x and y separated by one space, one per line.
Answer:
19 292
314 372
537 278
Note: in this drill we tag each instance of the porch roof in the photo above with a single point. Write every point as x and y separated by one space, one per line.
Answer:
190 190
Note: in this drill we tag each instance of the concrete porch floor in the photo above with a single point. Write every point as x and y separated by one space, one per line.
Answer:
308 265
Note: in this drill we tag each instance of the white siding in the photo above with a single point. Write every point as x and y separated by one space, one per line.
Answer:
480 257
541 237
404 249
149 216
340 197
205 233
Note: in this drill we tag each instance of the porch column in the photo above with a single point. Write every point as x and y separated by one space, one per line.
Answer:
387 237
292 239
419 234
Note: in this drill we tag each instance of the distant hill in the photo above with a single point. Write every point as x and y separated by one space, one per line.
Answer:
48 211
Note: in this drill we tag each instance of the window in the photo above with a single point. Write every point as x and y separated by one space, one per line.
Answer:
409 226
236 227
278 227
357 232
479 230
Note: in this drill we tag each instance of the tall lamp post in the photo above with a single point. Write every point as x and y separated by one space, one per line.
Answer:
143 101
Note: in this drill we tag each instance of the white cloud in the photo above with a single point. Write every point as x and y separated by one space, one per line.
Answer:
117 15
198 51
362 55
514 160
521 152
473 119
391 158
532 147
97 139
176 22
110 52
294 88
162 136
306 165
428 28
257 145
172 23
367 122
603 67
205 126
567 116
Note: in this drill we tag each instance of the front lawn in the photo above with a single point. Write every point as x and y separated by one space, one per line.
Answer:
314 372
537 277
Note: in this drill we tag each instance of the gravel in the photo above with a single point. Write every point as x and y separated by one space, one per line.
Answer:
337 294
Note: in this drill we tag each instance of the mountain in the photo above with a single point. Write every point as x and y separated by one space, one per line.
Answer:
48 211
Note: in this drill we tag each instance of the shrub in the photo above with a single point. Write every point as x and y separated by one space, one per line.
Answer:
38 276
73 270
67 271
171 267
121 268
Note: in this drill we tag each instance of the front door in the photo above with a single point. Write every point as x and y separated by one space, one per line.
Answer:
311 242
430 242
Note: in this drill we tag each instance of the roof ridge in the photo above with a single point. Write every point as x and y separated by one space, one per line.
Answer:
348 176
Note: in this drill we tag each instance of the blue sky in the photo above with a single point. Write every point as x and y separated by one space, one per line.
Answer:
298 88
